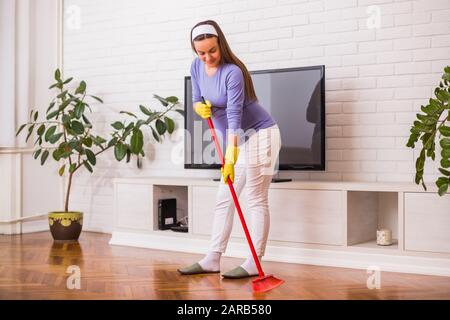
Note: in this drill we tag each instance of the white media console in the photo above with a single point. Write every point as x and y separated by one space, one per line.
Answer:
320 223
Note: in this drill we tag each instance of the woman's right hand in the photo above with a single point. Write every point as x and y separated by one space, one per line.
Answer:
203 109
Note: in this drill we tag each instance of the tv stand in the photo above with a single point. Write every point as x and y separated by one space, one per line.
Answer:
331 223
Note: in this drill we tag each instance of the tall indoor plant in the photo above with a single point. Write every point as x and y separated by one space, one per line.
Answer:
432 124
67 135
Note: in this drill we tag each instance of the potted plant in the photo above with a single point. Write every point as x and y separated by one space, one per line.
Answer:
68 136
434 120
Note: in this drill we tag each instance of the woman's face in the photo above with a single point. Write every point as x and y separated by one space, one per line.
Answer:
208 51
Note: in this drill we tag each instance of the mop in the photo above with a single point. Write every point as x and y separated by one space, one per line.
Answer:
264 282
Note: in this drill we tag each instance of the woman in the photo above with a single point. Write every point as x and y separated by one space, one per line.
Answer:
250 158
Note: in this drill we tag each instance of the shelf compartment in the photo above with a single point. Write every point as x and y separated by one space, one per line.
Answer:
369 211
166 192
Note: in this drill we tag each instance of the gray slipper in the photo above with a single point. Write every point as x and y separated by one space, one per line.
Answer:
194 269
237 273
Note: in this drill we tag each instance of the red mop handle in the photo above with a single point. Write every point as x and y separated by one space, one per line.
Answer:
236 201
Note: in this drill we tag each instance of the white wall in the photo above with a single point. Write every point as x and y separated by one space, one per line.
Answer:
376 79
27 188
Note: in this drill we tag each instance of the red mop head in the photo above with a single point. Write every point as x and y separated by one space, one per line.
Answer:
266 283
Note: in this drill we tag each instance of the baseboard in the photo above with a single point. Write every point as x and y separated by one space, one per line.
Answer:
342 259
30 227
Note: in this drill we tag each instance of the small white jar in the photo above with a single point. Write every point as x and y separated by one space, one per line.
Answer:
384 237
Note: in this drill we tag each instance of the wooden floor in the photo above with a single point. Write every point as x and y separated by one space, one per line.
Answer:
32 266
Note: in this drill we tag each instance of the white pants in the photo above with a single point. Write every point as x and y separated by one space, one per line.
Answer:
256 164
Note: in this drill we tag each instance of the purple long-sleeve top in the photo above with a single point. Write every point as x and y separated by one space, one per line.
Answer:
225 89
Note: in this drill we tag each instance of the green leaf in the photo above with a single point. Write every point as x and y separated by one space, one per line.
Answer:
436 104
112 142
62 94
37 153
169 124
420 162
61 170
137 141
445 153
172 99
79 110
52 114
155 134
57 154
97 98
445 163
418 177
57 75
443 95
99 140
445 76
145 110
50 132
162 100
38 140
90 156
440 181
50 106
443 189
139 123
72 168
41 129
118 125
65 104
36 115
67 117
30 131
180 112
44 157
87 142
445 131
160 126
88 124
67 80
21 128
444 172
53 139
120 150
88 166
129 113
445 143
77 127
81 88
423 185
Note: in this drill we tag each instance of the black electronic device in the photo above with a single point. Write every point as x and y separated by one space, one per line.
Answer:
167 213
180 228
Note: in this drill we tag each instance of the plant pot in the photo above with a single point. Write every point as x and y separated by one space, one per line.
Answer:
65 225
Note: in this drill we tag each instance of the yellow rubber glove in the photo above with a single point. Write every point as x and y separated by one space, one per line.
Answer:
202 109
231 156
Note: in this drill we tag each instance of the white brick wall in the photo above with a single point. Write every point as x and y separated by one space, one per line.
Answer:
376 78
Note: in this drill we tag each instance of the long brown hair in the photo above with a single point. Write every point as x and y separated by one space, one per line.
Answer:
227 56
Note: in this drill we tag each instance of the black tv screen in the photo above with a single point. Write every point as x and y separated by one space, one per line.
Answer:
294 97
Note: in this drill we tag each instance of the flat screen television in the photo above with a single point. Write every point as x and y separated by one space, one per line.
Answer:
294 97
